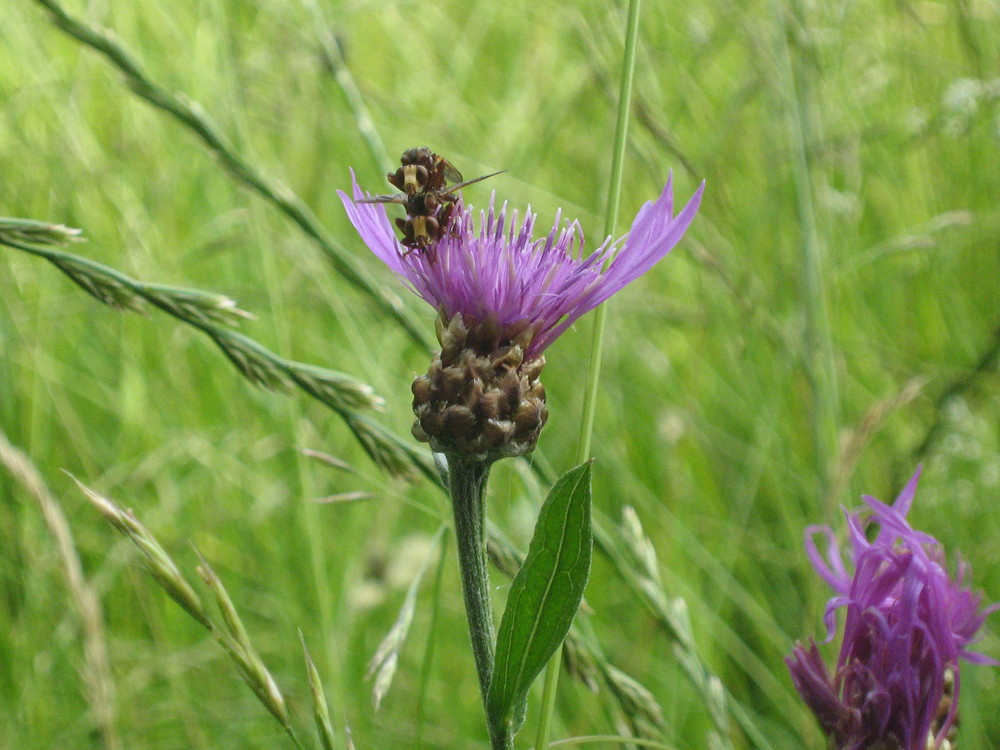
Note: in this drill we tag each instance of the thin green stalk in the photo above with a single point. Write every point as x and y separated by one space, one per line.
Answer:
610 222
342 75
819 361
467 484
597 344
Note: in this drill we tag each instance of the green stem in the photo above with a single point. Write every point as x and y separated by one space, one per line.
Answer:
467 483
819 357
597 344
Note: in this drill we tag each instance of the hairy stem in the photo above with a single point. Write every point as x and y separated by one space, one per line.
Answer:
467 482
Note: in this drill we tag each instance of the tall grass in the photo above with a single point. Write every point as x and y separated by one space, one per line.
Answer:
881 118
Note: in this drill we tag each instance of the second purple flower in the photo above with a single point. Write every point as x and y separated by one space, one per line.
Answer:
896 683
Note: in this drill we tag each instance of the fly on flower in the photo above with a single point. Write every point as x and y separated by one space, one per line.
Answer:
429 200
503 295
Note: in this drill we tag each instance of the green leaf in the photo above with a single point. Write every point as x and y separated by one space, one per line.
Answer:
544 597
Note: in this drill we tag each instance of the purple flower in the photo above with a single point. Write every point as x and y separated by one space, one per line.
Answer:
503 276
896 683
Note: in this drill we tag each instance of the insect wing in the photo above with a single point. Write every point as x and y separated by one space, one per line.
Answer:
401 199
461 185
451 174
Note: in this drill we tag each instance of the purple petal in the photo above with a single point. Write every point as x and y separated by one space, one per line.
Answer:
908 623
501 273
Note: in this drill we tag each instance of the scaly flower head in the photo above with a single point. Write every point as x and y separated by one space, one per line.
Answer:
503 296
896 683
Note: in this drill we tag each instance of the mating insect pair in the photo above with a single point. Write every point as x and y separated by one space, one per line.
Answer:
429 196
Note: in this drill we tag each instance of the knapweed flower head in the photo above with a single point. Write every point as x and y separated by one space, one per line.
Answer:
896 682
503 295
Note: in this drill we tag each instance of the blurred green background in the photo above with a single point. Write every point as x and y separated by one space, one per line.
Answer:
830 320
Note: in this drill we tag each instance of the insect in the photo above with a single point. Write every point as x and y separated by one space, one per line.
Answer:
429 184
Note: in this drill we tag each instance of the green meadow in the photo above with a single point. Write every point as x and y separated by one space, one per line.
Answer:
830 321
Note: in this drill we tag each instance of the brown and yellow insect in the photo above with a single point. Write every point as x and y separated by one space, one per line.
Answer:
429 184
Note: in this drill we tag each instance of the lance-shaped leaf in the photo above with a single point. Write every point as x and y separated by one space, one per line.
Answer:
544 597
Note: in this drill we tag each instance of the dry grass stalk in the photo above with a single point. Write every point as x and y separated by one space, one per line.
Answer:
99 687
